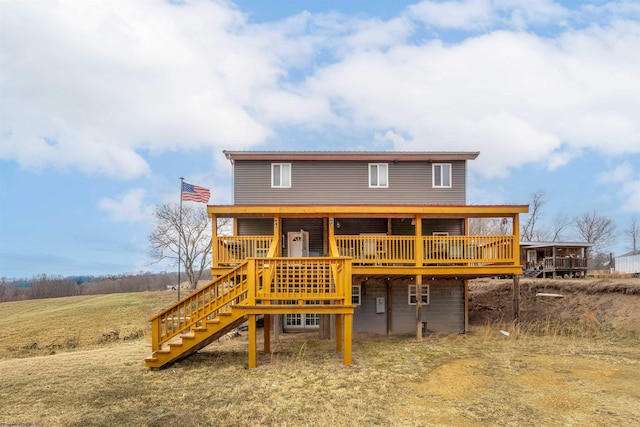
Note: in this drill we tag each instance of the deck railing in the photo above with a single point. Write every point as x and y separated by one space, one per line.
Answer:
459 250
564 263
472 250
308 278
235 249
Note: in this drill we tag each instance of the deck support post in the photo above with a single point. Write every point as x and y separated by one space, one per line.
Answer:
339 330
267 333
253 342
516 302
419 307
348 329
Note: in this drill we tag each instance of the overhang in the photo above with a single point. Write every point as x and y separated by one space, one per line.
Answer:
373 156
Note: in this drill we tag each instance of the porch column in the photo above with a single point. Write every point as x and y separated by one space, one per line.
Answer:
277 231
419 249
253 342
214 241
348 328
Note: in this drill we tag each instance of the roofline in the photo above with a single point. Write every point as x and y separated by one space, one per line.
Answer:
549 244
391 156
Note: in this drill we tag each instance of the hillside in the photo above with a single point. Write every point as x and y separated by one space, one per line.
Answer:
604 301
78 361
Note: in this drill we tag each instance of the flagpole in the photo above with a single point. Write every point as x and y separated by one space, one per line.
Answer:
180 237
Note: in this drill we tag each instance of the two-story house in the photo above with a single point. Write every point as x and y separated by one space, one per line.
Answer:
377 242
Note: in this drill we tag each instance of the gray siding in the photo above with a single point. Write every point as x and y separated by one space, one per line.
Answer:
255 226
346 182
444 313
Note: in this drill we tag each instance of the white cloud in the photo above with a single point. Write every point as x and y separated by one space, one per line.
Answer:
106 80
129 208
94 86
621 173
476 15
630 193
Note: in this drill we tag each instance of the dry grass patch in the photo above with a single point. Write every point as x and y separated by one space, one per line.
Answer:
48 326
554 374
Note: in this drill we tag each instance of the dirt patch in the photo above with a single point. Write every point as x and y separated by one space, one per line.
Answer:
601 302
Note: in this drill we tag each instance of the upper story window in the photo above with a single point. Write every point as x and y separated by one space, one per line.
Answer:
281 175
378 175
442 175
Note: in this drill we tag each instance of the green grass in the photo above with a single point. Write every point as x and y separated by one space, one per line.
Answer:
481 378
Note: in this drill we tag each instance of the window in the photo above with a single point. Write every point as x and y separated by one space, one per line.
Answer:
442 175
356 294
378 175
281 175
412 294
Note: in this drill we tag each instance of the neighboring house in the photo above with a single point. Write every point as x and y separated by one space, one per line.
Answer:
554 259
375 242
628 263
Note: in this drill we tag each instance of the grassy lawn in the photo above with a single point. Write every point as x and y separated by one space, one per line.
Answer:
553 377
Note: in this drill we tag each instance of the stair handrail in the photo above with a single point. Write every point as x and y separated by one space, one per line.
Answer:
200 304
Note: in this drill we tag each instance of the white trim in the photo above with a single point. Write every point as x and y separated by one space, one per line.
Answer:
284 175
358 294
441 174
379 175
412 293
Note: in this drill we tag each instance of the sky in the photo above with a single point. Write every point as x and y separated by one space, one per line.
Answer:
105 105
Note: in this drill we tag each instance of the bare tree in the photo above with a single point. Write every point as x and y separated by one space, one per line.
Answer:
4 289
632 233
560 224
529 229
490 226
595 229
191 237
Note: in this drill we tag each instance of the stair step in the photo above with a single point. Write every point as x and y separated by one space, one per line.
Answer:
213 321
188 336
163 351
151 359
225 313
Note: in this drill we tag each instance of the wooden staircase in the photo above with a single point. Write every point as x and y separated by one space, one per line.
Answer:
253 287
198 319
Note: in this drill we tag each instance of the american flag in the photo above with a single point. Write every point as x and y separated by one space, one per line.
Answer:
193 193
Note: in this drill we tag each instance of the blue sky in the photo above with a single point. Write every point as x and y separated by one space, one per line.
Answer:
104 105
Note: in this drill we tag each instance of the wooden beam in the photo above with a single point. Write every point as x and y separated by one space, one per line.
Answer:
419 308
267 333
348 331
362 211
339 331
253 342
466 305
516 302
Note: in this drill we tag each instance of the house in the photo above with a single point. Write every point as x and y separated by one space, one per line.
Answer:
375 242
628 263
554 259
